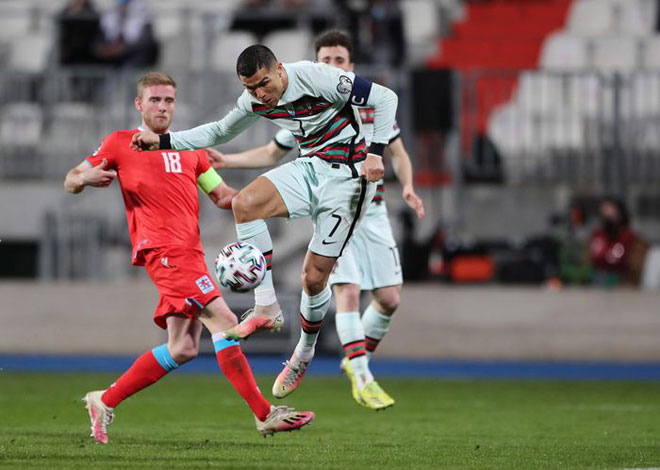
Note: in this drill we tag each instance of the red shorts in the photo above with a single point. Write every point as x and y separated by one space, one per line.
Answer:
182 279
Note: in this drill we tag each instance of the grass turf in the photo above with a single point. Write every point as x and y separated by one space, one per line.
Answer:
196 421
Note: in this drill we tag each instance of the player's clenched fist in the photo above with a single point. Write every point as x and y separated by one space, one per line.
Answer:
372 168
145 140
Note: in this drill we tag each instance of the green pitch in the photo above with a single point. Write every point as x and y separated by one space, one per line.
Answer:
192 421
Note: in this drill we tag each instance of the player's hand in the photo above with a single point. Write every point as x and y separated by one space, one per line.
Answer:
413 200
145 140
223 195
216 158
372 168
97 176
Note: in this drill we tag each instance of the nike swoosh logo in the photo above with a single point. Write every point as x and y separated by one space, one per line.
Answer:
327 243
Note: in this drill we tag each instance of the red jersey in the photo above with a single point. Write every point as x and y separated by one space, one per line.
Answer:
610 254
160 192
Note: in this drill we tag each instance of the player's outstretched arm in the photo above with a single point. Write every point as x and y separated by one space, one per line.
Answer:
84 175
403 171
258 157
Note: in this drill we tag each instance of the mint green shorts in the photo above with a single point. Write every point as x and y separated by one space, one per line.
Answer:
329 195
371 260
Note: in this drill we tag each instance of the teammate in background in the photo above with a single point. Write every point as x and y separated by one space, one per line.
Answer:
162 208
377 267
333 185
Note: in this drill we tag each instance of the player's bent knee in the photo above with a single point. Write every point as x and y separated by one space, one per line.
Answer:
242 206
182 353
313 281
388 299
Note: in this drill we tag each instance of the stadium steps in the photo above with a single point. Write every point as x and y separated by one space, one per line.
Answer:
497 39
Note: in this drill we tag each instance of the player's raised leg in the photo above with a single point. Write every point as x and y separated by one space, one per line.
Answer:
218 318
182 346
258 201
314 304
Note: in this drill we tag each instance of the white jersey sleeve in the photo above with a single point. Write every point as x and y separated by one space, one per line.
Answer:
384 101
285 140
343 87
213 133
396 132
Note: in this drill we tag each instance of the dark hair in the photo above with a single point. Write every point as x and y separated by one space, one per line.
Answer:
334 38
622 209
253 58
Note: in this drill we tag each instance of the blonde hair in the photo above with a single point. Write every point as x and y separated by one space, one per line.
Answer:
154 78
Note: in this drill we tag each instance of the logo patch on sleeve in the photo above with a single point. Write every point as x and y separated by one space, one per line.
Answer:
345 84
205 284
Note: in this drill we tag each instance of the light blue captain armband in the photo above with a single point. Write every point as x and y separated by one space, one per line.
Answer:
209 180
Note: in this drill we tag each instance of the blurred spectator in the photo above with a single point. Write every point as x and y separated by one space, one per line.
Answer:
617 253
377 27
573 236
79 27
128 37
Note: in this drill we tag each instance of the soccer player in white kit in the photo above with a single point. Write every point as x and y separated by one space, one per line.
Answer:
371 260
333 183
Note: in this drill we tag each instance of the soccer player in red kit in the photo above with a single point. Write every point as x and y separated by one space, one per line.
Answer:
162 207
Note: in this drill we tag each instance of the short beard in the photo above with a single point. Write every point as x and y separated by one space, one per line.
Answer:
158 129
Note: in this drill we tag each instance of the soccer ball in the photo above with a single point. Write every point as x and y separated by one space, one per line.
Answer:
240 267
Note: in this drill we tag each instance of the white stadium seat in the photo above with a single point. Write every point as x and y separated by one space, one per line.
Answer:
636 17
20 125
227 47
14 24
564 52
591 18
651 53
420 20
615 53
290 46
30 53
651 271
539 93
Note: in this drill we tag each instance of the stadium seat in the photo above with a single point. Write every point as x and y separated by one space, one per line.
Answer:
564 52
20 125
168 23
651 271
177 54
30 53
539 93
636 17
509 130
645 95
20 137
651 53
14 23
227 48
591 18
291 46
421 24
74 131
615 53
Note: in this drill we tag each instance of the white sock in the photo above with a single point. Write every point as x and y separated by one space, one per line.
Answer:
256 233
376 326
351 335
312 311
